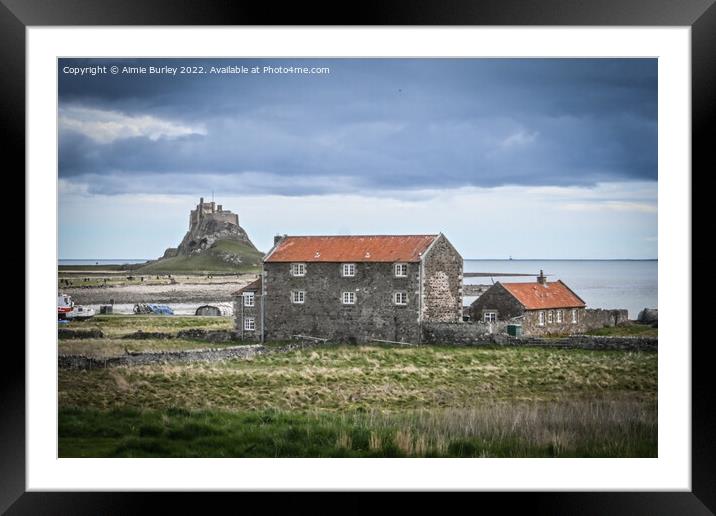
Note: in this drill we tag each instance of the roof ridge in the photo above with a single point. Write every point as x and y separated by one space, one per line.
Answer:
343 248
362 236
532 298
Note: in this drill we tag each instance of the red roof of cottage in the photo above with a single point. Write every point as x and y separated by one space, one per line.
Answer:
536 296
366 248
254 286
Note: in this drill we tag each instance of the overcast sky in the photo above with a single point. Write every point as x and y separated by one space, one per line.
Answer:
533 158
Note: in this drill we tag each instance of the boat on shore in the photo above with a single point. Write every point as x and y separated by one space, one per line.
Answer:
68 310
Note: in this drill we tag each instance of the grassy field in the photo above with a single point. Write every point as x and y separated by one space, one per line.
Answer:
369 401
119 325
115 327
210 261
566 429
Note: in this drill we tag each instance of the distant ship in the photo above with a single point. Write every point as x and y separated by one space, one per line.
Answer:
510 258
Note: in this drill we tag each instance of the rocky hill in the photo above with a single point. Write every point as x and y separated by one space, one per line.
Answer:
215 242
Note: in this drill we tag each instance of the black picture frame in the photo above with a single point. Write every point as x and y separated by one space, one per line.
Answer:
700 15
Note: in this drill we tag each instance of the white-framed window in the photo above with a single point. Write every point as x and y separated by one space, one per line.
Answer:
249 324
550 318
400 298
348 270
541 318
298 296
490 316
574 316
559 316
401 270
298 269
248 299
348 298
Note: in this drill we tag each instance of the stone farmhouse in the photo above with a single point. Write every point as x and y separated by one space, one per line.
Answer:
541 307
352 288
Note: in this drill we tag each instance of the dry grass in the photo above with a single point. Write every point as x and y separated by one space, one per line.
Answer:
350 378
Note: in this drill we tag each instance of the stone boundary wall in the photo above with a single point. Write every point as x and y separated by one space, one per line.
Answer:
460 333
66 333
596 342
466 334
191 334
599 318
162 357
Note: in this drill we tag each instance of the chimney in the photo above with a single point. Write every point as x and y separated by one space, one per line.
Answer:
277 238
201 201
541 279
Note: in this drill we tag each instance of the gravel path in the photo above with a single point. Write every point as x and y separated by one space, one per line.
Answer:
179 292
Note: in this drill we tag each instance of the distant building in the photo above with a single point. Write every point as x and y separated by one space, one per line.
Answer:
541 307
352 288
248 303
210 210
208 310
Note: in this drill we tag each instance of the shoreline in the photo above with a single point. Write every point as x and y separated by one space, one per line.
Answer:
185 289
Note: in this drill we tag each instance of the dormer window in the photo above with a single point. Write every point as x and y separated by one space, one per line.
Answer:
298 269
348 270
401 270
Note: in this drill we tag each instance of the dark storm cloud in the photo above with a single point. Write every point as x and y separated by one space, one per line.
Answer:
369 124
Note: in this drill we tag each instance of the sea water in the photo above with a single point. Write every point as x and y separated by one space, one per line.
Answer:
91 261
630 284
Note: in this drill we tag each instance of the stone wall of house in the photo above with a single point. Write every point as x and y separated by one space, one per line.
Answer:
322 314
442 283
496 298
241 312
586 319
559 322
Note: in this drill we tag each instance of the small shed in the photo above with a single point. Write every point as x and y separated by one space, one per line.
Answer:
209 310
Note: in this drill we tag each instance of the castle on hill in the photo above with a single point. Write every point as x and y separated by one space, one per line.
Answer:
208 223
210 211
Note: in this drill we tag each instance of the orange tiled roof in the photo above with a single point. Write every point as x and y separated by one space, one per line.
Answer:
254 286
366 248
535 296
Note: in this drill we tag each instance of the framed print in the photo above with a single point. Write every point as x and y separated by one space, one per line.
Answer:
392 276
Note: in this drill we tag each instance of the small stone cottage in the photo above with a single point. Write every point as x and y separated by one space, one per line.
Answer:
352 288
541 307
